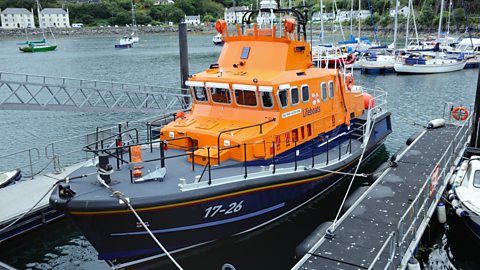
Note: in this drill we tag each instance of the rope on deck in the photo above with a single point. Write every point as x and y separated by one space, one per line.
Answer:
121 197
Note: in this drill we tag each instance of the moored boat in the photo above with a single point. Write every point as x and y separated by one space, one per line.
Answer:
217 39
7 178
266 133
418 64
465 194
38 47
124 43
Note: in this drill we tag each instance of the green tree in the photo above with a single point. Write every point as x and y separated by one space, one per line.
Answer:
176 15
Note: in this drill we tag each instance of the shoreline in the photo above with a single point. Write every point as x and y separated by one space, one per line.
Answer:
210 30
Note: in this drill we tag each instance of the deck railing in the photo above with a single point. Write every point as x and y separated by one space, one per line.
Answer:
33 155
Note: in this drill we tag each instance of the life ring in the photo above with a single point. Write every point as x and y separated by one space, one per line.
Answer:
349 81
460 113
350 59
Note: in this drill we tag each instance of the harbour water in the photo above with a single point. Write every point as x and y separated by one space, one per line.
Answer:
413 100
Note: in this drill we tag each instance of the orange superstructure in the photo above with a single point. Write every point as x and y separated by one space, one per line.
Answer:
262 98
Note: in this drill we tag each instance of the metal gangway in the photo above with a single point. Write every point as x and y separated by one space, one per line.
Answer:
36 92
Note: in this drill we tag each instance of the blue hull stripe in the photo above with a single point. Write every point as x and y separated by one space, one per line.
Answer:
209 224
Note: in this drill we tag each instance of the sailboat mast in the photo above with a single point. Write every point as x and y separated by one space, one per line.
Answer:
351 18
322 33
134 22
408 24
449 14
39 20
359 19
441 17
396 26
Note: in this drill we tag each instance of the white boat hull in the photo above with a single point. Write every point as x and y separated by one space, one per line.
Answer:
429 68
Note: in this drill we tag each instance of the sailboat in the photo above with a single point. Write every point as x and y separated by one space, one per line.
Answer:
127 41
38 45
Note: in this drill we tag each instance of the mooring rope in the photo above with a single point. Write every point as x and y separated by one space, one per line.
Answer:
121 197
332 228
342 173
44 195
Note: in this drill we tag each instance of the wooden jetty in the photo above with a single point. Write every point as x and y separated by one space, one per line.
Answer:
383 228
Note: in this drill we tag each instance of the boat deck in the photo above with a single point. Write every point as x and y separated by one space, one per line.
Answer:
180 168
361 234
19 198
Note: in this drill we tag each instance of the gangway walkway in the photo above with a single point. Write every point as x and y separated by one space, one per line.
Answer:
383 228
34 92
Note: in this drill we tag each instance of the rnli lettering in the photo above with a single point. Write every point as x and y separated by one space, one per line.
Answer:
311 111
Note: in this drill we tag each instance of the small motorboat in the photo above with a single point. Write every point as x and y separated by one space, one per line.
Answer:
217 40
465 194
7 178
125 43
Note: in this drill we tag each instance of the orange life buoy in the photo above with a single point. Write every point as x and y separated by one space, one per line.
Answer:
460 113
289 25
349 80
220 26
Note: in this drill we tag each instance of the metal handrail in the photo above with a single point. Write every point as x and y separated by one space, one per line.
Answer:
81 82
30 162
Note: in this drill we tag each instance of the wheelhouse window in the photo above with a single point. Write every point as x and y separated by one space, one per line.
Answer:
324 91
283 97
294 98
305 93
266 96
200 93
246 98
220 95
331 91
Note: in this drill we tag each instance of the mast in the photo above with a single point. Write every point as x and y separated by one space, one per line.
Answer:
359 19
408 24
134 22
351 18
396 25
440 21
321 22
39 20
449 14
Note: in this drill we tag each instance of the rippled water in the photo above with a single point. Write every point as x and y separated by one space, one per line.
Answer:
413 100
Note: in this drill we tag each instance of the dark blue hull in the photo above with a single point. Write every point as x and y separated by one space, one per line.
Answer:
123 46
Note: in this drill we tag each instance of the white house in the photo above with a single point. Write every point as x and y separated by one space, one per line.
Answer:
343 16
163 2
401 11
266 17
361 14
326 16
54 17
235 14
193 20
12 18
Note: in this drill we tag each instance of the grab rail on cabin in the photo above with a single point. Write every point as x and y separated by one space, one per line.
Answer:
33 158
239 128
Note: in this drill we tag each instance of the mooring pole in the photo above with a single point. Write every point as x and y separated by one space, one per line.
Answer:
476 115
182 40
